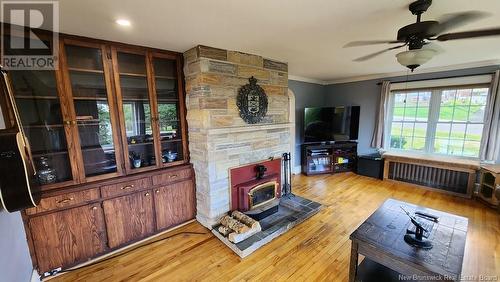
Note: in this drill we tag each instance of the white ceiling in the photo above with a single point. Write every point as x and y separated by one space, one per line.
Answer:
308 34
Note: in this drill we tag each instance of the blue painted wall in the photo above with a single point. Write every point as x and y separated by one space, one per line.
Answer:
367 95
306 95
362 93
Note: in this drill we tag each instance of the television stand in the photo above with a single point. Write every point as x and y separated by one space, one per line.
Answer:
321 158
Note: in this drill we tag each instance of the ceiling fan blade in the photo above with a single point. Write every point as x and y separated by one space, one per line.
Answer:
454 20
370 42
369 56
469 34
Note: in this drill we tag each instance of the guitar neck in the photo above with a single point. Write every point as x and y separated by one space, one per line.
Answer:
10 94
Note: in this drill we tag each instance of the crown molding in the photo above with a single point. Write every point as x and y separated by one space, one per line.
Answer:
306 79
420 71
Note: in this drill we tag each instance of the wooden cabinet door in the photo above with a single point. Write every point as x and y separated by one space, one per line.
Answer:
174 204
169 100
88 85
43 112
67 237
129 218
137 109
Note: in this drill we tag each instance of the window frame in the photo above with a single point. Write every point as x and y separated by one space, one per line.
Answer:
432 119
387 133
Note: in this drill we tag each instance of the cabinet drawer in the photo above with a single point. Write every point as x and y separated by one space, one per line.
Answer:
171 176
125 187
62 201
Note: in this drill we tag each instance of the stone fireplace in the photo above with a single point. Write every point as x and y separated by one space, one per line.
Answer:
219 139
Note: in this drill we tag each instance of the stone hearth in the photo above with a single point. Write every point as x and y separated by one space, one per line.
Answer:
218 138
292 211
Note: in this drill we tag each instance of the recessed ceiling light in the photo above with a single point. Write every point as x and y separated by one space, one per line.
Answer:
123 22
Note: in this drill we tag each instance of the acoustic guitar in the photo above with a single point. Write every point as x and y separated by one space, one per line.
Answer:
18 187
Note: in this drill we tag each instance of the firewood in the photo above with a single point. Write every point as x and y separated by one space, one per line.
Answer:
245 219
234 224
236 238
224 230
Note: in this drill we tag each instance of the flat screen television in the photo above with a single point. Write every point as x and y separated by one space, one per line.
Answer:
331 124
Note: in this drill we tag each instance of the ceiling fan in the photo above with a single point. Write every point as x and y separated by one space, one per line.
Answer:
419 35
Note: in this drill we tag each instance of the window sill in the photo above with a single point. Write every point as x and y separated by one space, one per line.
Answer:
432 159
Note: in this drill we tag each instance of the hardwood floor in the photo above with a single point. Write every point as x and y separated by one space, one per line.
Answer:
317 249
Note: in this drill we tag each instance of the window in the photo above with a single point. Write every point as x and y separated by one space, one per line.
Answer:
137 118
444 121
409 120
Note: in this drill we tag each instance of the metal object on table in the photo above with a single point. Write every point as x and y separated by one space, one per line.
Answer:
416 237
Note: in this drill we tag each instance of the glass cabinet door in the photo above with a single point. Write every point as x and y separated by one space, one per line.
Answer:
39 106
93 109
131 79
170 121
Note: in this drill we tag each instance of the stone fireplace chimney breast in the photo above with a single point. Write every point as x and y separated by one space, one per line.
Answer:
218 138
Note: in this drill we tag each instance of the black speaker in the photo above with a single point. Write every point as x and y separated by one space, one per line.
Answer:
371 165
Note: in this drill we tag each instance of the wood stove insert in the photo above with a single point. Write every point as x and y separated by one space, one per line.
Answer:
255 188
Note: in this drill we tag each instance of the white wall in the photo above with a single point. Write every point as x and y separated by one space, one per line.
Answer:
15 260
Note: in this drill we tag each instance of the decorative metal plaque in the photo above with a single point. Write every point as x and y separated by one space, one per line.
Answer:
252 102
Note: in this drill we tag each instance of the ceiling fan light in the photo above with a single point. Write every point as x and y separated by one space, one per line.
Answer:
415 58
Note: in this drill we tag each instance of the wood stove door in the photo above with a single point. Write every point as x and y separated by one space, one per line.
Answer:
262 194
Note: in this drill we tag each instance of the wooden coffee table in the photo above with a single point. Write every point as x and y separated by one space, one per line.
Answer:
388 257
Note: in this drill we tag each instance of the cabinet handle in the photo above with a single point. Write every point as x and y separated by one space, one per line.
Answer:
73 122
94 208
67 122
147 194
157 191
64 201
173 176
127 187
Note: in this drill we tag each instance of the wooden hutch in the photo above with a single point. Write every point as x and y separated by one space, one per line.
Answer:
109 125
